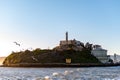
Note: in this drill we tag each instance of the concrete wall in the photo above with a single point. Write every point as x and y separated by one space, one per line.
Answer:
101 54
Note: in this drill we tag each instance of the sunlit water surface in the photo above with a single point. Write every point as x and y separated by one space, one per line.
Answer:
93 73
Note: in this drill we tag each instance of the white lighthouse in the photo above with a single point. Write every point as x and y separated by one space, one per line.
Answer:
66 43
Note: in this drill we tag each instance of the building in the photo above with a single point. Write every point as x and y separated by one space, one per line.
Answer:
97 50
68 42
65 44
115 58
100 53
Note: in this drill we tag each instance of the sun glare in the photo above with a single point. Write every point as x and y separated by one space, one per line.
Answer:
7 46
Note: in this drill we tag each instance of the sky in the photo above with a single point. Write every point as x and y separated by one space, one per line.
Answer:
43 23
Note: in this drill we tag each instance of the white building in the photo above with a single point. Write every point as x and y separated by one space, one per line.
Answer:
67 42
64 44
100 53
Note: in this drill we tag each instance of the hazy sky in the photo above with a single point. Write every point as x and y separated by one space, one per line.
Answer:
43 23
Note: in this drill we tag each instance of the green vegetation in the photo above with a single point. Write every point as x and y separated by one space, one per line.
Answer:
50 56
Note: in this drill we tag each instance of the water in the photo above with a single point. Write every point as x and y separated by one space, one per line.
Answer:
93 73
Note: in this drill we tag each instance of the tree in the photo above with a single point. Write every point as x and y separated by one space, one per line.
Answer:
88 46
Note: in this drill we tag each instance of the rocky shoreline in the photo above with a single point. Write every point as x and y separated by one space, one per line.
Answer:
60 65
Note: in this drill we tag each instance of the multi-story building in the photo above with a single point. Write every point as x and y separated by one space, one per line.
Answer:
100 53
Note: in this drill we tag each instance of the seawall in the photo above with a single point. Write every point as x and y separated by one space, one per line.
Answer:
60 65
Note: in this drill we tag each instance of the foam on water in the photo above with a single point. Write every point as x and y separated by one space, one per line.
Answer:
56 74
47 78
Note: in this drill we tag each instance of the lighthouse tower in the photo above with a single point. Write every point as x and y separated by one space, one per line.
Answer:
66 36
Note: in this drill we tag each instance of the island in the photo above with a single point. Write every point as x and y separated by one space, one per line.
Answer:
69 53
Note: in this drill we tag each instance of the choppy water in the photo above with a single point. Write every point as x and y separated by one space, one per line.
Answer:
102 73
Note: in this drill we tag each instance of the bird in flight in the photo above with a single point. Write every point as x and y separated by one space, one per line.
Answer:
34 58
17 43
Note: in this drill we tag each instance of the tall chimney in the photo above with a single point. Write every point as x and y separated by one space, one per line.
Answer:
66 36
